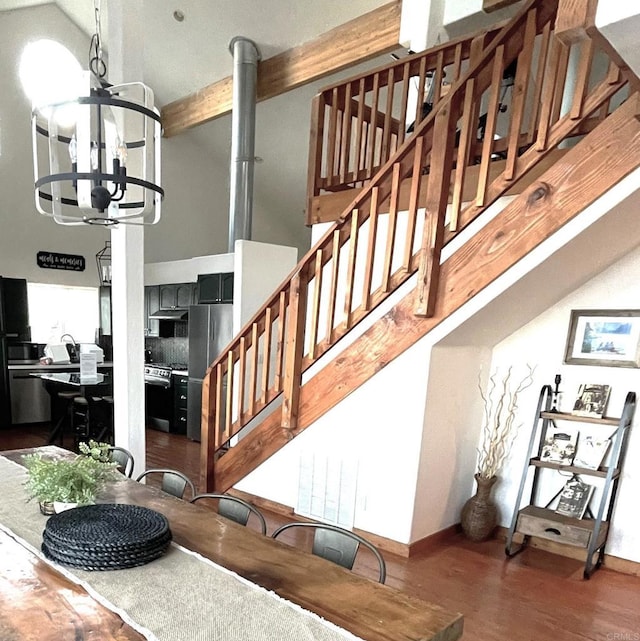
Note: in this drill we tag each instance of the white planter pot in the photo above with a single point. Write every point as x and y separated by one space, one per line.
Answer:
59 506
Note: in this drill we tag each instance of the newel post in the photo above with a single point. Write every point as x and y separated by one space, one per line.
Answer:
296 316
435 209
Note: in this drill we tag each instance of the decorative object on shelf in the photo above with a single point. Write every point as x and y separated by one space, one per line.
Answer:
574 498
591 400
606 337
103 262
559 445
555 397
479 515
77 481
591 451
99 146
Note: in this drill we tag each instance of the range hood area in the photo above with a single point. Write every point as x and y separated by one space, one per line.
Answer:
170 314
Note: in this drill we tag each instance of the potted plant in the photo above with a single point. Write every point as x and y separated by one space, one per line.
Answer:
58 484
479 514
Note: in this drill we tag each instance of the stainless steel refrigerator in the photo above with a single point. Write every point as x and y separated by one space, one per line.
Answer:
210 331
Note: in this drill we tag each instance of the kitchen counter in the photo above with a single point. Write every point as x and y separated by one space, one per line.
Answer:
57 367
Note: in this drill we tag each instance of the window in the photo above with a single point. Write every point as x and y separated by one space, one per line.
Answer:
55 310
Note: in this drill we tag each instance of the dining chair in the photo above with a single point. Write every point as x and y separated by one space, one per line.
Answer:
173 482
337 544
234 508
123 458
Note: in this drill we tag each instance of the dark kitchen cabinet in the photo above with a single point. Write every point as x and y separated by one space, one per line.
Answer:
177 296
14 308
152 305
180 385
185 295
215 288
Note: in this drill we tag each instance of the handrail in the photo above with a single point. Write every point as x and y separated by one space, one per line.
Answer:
396 227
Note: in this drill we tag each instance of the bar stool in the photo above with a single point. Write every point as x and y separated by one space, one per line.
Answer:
66 416
106 434
88 420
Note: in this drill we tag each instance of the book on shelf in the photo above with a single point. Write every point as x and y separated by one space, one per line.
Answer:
591 451
574 498
591 400
559 445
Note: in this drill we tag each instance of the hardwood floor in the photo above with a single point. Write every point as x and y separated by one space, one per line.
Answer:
535 596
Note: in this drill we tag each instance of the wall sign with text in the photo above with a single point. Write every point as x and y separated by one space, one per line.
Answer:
52 260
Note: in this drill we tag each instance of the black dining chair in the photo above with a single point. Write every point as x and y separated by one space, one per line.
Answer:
123 458
173 482
337 544
234 508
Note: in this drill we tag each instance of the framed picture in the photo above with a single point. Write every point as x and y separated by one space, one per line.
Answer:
604 337
591 400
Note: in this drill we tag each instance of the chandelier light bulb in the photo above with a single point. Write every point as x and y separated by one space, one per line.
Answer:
73 149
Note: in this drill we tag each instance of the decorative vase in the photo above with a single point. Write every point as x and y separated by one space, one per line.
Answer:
46 508
480 514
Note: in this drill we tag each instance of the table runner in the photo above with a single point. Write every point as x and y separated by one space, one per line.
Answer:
179 597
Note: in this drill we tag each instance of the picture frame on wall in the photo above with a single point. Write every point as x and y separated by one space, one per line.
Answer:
604 337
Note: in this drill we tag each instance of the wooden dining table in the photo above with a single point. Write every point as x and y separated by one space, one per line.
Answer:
367 609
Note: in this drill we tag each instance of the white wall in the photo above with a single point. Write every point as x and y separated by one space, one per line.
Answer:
187 270
259 268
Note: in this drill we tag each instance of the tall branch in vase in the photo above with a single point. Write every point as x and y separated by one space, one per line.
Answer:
498 430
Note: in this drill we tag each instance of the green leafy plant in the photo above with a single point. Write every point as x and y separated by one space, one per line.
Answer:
75 480
96 450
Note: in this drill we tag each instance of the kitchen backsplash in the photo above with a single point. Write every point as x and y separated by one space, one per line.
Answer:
168 350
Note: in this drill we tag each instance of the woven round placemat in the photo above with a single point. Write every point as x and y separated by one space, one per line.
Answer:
106 536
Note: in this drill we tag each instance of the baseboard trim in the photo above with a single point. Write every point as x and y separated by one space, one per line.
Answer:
387 545
624 566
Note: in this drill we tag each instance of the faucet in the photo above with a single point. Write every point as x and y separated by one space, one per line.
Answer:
73 351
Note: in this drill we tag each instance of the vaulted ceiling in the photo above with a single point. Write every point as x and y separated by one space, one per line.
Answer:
182 57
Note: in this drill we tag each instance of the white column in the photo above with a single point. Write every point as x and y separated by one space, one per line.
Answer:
125 47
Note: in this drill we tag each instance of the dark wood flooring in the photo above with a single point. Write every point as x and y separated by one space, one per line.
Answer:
535 596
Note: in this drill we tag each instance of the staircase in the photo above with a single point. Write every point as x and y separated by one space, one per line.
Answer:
378 270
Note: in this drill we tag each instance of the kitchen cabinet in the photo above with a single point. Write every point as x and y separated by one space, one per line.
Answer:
177 296
185 295
180 386
152 305
215 288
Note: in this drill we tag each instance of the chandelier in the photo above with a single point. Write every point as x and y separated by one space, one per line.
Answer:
97 156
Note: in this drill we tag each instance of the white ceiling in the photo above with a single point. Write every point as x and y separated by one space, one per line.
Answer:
182 57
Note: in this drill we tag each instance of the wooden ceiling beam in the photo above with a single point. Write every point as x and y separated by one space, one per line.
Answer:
356 41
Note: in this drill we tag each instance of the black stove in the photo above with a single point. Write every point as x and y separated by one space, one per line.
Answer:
159 395
160 373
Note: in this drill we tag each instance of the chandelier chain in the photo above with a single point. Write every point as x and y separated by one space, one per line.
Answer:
96 61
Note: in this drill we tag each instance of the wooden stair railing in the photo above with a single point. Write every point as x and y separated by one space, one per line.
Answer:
399 223
359 123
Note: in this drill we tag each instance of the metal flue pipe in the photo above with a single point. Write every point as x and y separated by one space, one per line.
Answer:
243 133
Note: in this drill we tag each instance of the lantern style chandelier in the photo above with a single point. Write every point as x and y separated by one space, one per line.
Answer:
97 156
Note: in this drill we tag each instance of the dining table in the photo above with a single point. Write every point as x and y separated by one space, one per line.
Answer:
218 580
